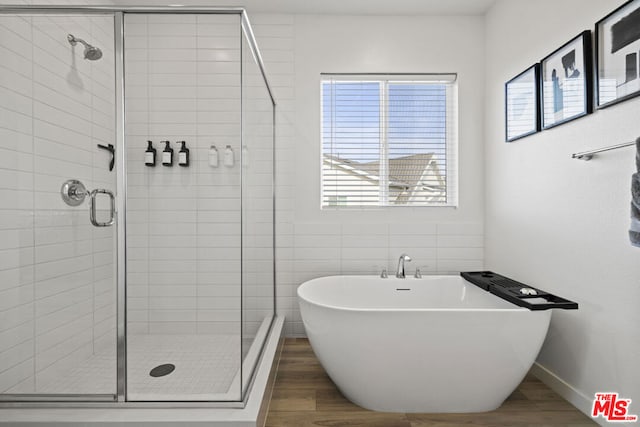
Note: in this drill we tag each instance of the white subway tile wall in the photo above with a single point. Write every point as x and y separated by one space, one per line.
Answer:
305 250
257 196
321 249
275 36
184 82
57 289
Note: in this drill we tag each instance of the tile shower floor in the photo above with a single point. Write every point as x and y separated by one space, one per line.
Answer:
207 367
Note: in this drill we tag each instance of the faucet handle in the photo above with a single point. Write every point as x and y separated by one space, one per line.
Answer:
384 274
418 275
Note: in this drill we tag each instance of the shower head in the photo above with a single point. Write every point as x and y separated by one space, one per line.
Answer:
91 53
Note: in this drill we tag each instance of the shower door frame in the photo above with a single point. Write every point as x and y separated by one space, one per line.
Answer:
119 399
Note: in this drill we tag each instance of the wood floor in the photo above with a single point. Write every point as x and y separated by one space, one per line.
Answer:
304 396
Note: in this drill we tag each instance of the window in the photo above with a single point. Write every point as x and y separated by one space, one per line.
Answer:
389 140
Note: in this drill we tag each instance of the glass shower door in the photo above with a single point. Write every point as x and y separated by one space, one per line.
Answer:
57 269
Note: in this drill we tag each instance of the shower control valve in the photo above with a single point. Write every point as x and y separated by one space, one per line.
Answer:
73 192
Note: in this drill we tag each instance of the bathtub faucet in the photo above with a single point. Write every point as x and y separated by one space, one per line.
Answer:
401 261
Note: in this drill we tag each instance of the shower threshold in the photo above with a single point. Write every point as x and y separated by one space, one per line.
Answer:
167 413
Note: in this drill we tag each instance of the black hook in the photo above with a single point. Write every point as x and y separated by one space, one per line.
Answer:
112 150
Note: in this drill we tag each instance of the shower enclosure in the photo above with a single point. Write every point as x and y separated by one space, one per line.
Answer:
128 275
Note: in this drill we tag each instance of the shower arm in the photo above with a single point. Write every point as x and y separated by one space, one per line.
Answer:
74 40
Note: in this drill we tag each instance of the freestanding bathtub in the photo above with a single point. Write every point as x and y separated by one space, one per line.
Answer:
434 344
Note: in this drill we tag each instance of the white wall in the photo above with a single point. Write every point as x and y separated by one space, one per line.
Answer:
561 224
57 292
312 242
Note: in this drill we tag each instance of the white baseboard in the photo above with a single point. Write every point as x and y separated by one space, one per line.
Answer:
569 393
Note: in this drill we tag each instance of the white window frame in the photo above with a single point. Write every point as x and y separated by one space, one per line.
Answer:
452 181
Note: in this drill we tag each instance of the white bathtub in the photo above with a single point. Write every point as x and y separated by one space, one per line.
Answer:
443 345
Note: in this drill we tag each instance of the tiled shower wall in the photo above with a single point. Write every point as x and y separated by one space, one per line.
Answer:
183 82
57 292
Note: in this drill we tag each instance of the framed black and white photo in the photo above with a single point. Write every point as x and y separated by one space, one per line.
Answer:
521 104
617 54
566 82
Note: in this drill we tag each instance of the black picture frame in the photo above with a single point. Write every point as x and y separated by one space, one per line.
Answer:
617 41
522 104
566 82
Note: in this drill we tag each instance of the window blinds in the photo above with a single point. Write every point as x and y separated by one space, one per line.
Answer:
389 140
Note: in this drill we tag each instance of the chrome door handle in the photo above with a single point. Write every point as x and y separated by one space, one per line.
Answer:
92 207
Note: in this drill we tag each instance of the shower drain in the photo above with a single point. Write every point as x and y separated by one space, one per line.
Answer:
162 370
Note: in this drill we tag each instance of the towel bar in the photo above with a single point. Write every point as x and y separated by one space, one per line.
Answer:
588 155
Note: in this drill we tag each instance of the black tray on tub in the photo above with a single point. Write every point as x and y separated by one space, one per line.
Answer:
517 293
